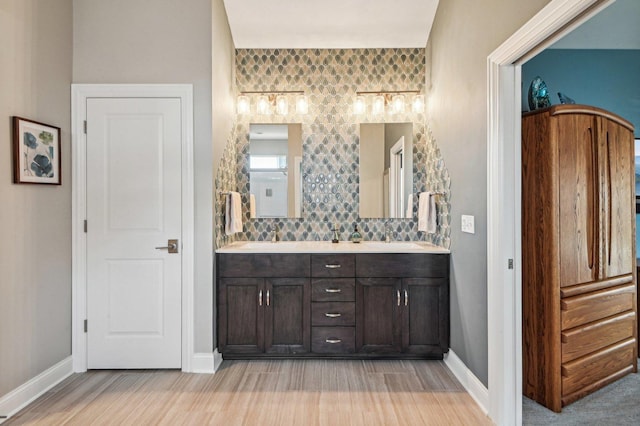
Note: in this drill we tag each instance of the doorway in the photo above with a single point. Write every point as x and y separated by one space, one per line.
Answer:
504 308
137 296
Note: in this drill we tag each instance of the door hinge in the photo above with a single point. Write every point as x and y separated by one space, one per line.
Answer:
510 264
85 325
85 127
85 226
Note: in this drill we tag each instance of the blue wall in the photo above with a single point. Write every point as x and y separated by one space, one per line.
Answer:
608 79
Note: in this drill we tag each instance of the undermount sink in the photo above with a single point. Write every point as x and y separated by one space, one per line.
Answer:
328 247
394 245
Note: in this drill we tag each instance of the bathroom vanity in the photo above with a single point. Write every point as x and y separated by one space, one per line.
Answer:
323 300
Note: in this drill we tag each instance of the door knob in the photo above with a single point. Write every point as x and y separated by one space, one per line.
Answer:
172 246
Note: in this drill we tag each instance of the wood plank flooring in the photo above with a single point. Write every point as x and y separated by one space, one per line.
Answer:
282 392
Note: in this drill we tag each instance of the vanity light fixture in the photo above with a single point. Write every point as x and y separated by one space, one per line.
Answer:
267 102
394 98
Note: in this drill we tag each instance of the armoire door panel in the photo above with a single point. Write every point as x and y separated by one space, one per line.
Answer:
619 235
579 203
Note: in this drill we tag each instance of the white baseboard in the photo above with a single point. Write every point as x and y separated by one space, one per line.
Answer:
206 363
28 392
471 383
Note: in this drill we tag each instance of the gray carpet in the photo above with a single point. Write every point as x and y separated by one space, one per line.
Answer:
616 404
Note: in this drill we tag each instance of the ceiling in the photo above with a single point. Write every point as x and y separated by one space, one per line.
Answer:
330 24
269 132
616 27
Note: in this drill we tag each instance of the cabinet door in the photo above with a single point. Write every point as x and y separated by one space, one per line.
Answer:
287 304
576 138
378 303
617 163
241 327
425 315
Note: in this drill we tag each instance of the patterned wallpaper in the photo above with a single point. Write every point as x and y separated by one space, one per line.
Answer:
330 134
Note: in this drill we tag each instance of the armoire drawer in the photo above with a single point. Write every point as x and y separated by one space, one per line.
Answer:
333 313
594 367
583 340
333 289
579 310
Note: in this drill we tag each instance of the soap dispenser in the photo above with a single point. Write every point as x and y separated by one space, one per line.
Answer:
336 236
356 236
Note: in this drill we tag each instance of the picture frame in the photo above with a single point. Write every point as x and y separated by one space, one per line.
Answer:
37 157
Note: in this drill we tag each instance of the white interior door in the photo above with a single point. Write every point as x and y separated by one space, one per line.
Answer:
133 207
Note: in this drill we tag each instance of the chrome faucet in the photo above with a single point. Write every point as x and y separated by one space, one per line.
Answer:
274 234
387 232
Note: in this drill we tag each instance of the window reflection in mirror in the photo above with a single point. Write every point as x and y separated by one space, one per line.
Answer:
275 177
386 170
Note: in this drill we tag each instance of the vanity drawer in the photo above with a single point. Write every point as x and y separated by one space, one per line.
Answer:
263 265
583 340
599 365
402 265
333 340
333 313
333 265
578 310
333 289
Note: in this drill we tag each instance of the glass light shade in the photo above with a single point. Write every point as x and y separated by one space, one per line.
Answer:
302 105
377 108
263 105
397 104
243 105
418 103
282 105
359 105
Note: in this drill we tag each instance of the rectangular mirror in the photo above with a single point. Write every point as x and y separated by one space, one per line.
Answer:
275 177
386 170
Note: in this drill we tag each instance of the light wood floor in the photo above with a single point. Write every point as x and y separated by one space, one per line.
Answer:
283 392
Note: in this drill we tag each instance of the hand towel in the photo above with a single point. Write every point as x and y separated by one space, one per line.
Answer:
252 206
409 213
233 214
427 212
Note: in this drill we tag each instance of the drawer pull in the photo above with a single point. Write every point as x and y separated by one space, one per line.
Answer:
406 298
398 296
260 298
333 340
333 290
332 315
332 266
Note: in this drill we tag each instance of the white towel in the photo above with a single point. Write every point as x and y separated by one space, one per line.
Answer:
427 212
409 213
233 214
252 206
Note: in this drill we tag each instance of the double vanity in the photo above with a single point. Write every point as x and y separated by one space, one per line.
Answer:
305 299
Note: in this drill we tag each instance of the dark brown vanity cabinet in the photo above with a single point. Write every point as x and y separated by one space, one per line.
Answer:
333 305
260 311
403 305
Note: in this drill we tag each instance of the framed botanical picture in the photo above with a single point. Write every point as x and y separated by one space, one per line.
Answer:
36 152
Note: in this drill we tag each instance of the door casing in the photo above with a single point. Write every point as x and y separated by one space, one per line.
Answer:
79 95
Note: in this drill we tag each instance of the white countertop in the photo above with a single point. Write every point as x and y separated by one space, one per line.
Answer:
329 247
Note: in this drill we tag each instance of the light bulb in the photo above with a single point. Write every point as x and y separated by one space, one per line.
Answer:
377 108
398 104
263 106
359 105
302 105
282 105
243 105
418 103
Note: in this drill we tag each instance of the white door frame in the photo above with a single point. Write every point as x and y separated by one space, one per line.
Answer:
396 173
504 286
79 95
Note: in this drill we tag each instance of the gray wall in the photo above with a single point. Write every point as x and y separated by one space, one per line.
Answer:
137 41
224 114
463 35
35 220
604 78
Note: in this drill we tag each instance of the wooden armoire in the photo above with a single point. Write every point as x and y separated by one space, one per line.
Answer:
579 301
